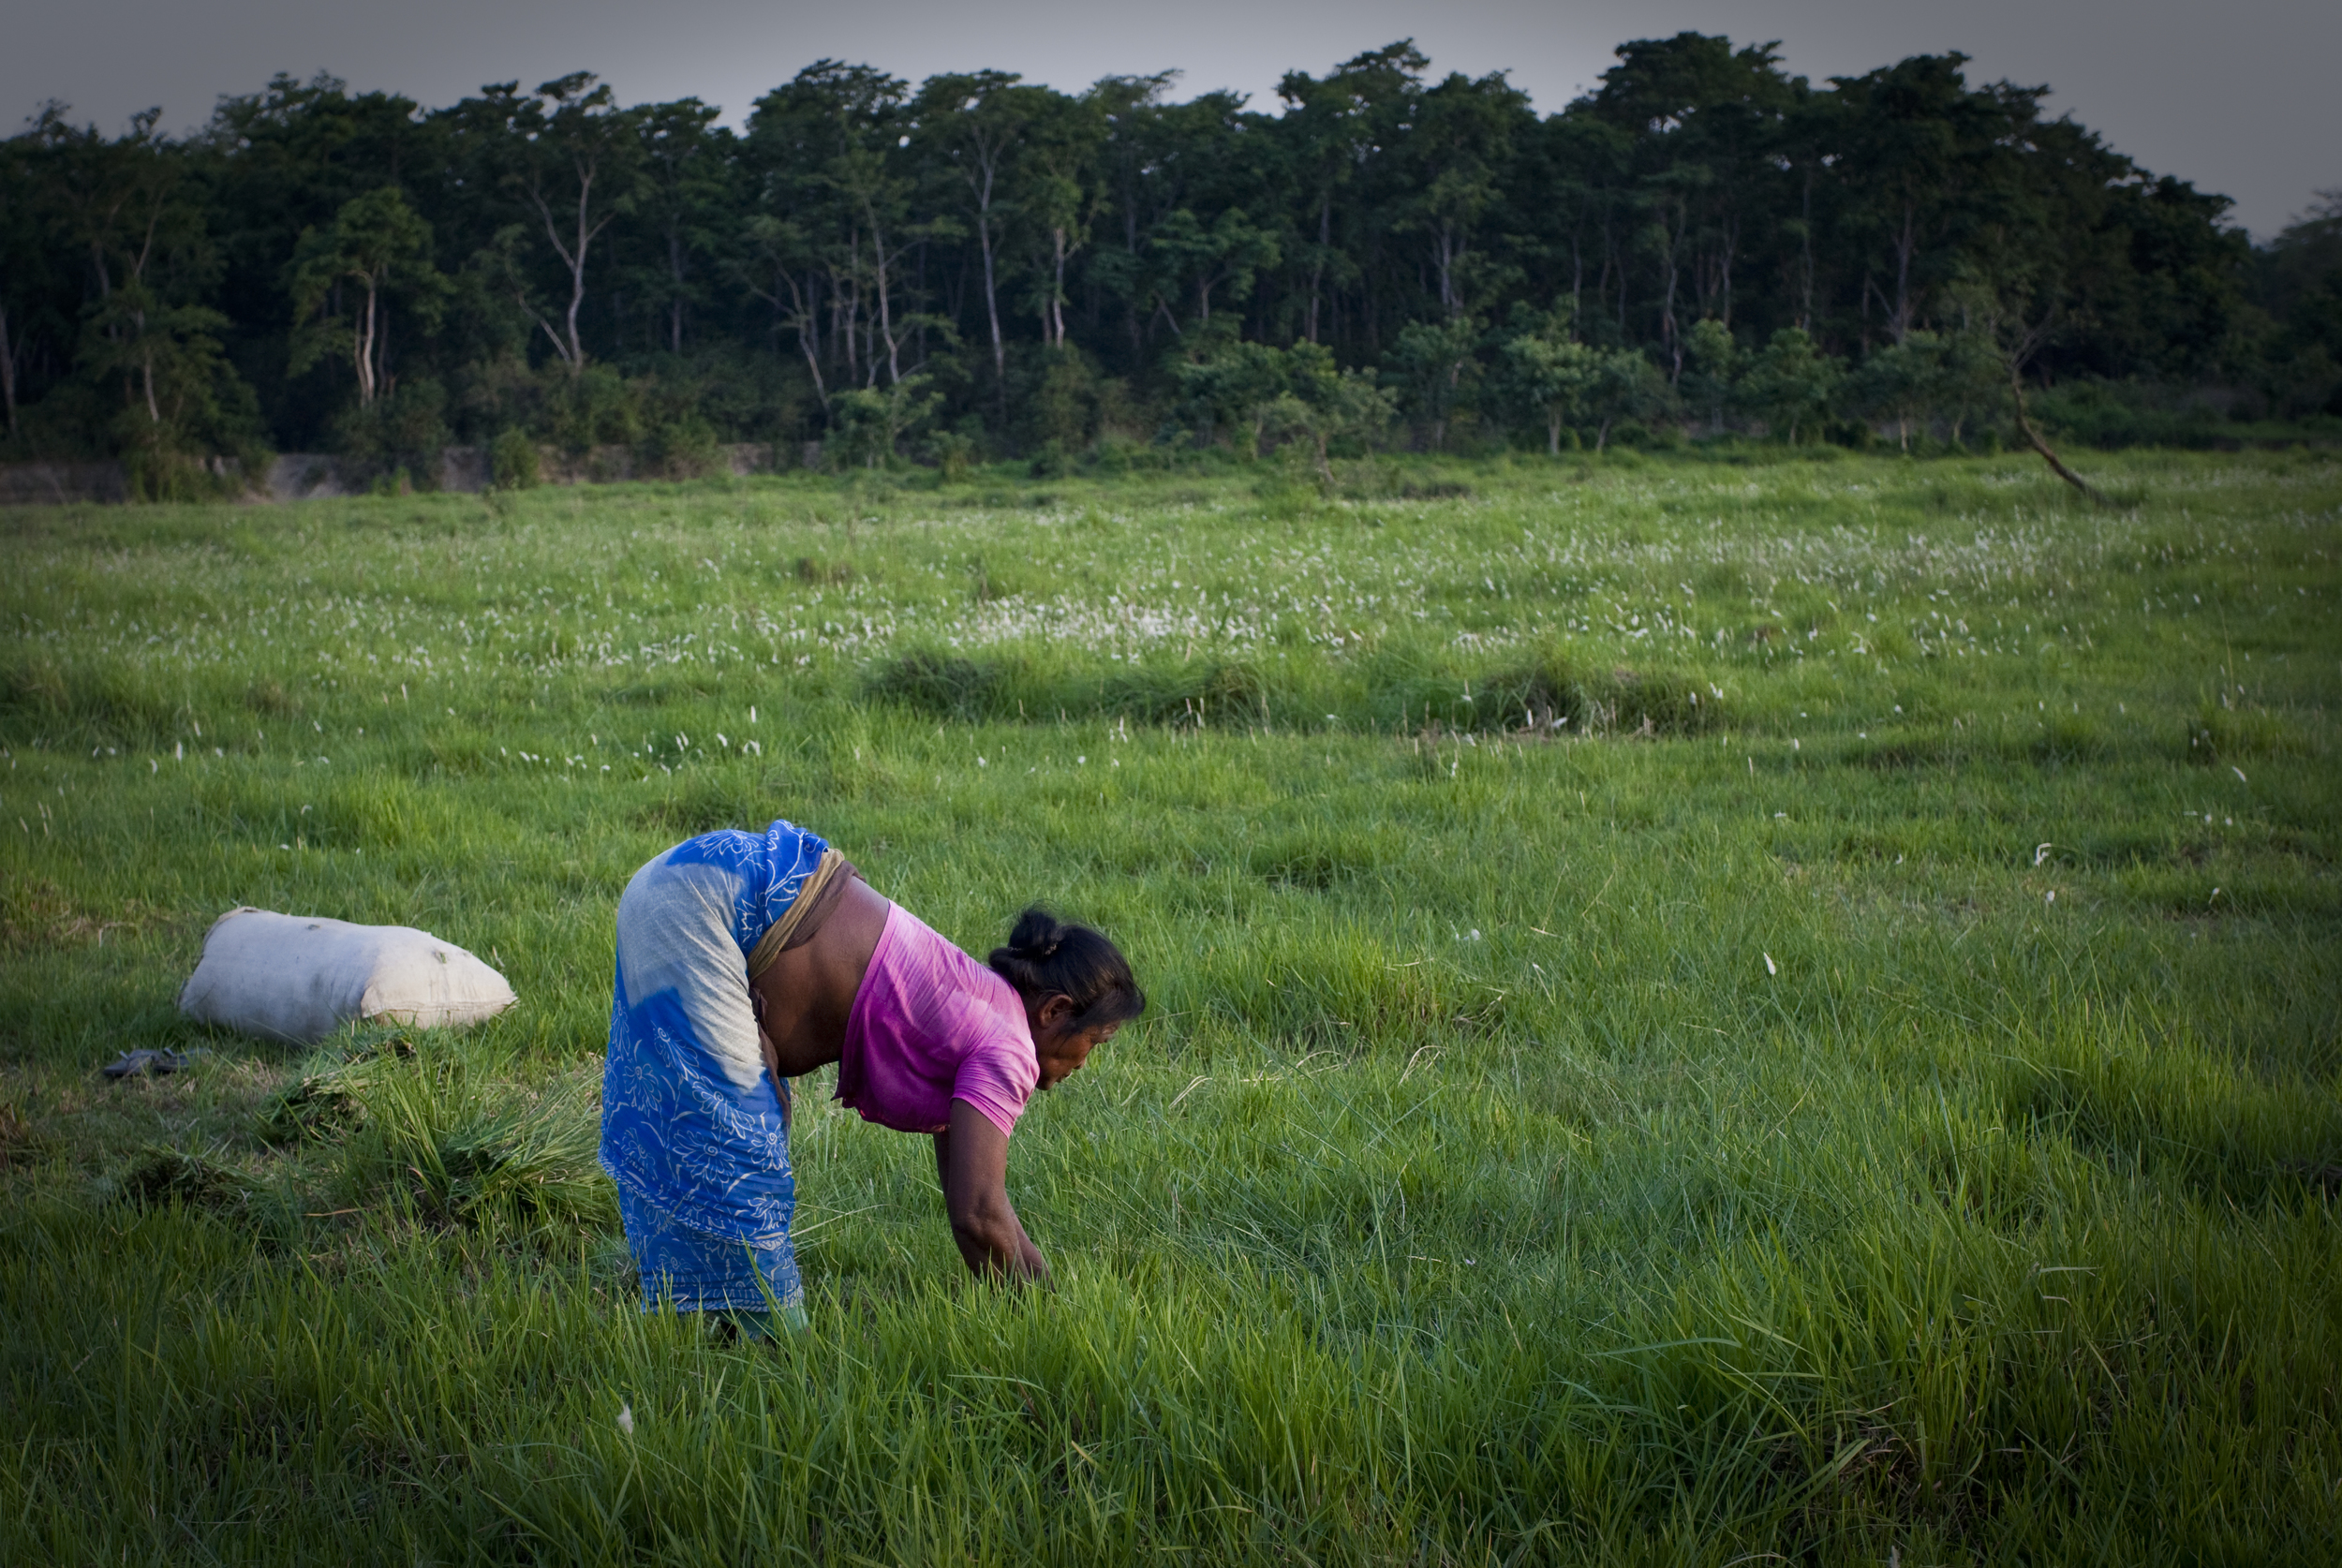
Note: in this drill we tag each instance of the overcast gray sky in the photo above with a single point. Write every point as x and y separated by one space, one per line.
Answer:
2240 97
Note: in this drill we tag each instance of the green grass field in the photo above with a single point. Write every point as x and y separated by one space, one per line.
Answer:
1703 1015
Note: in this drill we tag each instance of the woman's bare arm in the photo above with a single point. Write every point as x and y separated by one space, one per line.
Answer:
971 1158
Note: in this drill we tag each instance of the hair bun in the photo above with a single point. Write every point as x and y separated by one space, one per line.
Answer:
1037 936
1045 956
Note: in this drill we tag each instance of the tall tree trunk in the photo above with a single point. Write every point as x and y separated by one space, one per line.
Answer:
852 305
368 369
1057 291
573 255
804 315
808 339
980 182
885 309
992 301
577 273
577 301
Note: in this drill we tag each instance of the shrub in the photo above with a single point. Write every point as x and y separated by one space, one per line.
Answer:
1556 696
949 686
955 454
685 448
398 440
512 461
1199 692
1547 692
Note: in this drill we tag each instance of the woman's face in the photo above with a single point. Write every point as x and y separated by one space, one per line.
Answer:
1059 1046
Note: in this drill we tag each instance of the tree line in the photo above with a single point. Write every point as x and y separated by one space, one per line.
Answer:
978 267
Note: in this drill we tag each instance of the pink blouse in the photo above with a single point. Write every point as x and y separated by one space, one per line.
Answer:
930 1026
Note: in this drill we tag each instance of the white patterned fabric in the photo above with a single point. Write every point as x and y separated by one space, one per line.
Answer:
693 1127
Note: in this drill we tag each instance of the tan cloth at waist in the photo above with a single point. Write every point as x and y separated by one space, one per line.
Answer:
803 917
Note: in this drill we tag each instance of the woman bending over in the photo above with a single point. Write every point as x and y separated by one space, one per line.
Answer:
746 960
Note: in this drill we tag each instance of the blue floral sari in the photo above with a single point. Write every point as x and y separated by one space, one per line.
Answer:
695 1129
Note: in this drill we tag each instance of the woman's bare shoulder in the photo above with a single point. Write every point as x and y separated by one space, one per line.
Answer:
854 926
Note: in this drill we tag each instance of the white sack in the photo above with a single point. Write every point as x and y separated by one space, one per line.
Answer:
299 979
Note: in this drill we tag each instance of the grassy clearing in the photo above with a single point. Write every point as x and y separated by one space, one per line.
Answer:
1701 1012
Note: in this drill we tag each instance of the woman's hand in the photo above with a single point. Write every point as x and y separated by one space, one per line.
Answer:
973 1160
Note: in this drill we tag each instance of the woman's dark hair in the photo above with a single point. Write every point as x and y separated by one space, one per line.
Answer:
1047 956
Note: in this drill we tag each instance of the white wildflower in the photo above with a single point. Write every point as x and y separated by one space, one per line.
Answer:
626 1419
1770 968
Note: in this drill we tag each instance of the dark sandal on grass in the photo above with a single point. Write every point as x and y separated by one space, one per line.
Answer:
132 1064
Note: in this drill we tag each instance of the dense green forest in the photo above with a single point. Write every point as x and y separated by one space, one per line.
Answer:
977 268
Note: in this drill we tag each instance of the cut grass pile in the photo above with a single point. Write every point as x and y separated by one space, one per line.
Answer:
1700 1013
